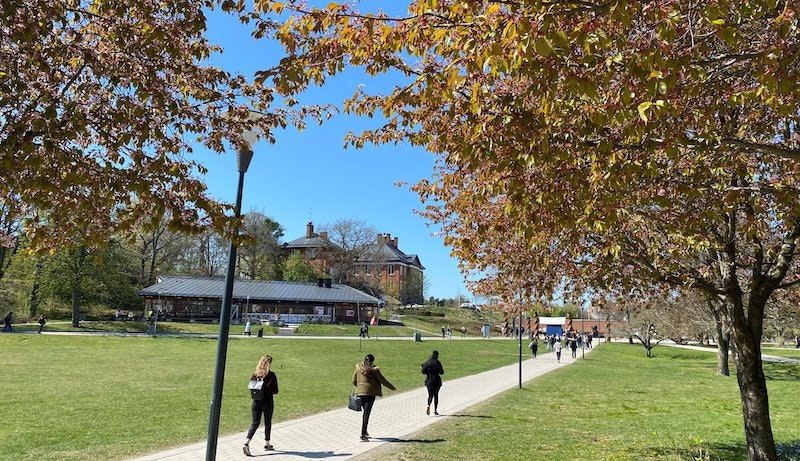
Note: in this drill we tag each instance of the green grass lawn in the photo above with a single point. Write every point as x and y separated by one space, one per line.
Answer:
381 331
615 405
88 398
141 327
788 352
107 397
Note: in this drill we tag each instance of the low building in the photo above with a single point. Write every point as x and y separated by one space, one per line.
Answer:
187 298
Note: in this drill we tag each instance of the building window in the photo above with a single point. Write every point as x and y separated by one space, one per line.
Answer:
367 270
391 270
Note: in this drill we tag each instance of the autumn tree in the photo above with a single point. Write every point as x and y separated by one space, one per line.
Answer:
614 145
102 103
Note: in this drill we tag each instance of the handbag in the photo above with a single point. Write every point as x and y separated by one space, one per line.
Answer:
256 387
354 403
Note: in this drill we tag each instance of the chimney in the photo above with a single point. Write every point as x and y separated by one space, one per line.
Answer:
387 238
394 242
327 283
324 235
380 238
309 230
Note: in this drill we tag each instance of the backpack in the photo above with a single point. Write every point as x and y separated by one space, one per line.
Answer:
256 388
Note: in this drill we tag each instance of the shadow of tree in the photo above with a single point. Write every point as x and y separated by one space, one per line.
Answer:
781 371
706 452
305 454
399 440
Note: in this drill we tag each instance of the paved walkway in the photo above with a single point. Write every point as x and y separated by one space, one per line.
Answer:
334 434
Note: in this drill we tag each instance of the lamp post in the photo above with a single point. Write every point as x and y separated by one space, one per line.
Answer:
243 156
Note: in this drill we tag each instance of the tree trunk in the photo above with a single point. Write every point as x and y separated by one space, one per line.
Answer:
723 349
76 305
37 283
755 403
723 337
745 334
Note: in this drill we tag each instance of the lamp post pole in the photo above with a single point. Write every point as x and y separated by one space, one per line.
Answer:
243 157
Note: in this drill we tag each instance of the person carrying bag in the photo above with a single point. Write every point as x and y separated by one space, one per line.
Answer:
263 386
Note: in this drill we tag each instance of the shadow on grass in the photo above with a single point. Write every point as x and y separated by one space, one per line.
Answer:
781 371
399 440
789 451
713 451
470 416
305 454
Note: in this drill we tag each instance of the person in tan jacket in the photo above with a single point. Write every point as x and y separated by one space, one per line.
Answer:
367 379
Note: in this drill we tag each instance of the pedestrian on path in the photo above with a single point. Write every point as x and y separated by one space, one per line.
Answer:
573 345
263 403
248 328
7 322
557 349
41 322
433 371
534 346
368 379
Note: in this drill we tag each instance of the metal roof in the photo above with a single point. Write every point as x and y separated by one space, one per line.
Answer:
383 253
257 290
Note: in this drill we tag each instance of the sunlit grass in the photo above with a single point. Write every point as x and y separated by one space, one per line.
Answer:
615 405
108 397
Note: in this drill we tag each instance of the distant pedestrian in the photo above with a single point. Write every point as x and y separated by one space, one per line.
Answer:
41 322
264 405
449 332
573 345
433 371
444 330
589 341
248 328
557 349
464 331
534 346
7 322
367 379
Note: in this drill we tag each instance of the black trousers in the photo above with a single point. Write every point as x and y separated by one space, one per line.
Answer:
266 408
366 408
433 396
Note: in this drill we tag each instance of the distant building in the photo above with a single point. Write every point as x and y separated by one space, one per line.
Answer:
185 298
399 275
380 268
314 248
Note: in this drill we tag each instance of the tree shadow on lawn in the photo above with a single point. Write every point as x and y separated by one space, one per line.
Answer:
781 371
708 451
399 440
469 416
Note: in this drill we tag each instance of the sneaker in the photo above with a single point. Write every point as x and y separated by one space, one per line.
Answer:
365 438
246 450
436 413
428 410
269 448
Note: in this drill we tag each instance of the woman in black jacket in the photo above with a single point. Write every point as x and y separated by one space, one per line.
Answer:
433 371
262 402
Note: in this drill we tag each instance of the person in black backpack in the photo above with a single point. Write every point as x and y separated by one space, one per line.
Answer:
433 371
262 402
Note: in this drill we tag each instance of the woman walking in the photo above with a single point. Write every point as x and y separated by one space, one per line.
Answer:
433 371
368 379
534 346
262 402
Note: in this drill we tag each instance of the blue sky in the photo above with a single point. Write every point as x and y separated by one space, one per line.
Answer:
309 176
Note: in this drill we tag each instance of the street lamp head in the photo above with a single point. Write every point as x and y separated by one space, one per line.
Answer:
245 151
